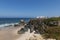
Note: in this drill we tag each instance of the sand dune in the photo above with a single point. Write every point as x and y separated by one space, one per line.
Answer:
27 35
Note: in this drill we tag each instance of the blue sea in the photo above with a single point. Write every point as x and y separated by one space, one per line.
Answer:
10 21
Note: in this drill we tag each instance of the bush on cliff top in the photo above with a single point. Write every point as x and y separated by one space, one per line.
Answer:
49 32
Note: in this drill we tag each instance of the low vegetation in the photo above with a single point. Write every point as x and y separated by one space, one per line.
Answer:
52 32
46 28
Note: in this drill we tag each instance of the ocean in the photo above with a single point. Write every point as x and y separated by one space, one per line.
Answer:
10 21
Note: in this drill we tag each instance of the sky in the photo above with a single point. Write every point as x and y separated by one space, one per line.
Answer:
29 8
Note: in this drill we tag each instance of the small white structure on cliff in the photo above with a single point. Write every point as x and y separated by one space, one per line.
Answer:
41 17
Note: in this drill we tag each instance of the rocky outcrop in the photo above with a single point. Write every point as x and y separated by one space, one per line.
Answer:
22 22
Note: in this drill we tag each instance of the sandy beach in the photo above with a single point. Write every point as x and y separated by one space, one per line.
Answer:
9 33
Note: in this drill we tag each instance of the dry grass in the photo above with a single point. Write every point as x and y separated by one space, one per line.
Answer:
52 32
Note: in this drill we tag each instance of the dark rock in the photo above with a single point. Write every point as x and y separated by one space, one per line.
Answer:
21 31
15 25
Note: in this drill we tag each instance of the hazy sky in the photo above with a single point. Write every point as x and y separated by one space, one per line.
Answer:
29 8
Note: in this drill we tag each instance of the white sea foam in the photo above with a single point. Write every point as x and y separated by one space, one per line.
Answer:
6 25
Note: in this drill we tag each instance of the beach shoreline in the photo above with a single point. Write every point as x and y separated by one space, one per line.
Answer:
9 33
